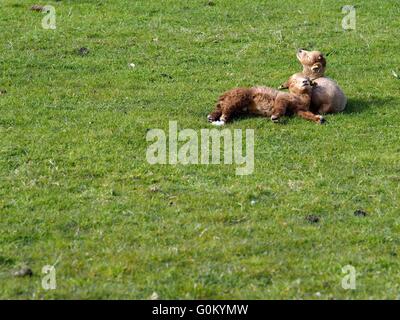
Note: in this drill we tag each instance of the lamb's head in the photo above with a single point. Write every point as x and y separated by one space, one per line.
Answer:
313 62
299 84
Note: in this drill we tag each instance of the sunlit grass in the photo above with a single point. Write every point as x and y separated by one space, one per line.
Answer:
76 187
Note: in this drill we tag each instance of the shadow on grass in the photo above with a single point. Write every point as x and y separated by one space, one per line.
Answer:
359 105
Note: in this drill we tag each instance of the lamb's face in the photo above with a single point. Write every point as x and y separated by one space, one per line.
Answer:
313 60
300 85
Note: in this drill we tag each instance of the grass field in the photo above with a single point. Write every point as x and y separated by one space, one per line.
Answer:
76 189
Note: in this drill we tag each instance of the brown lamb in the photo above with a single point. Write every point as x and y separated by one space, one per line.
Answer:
327 96
266 102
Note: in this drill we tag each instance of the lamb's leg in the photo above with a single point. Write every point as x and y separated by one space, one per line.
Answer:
308 115
216 114
224 118
222 113
279 109
232 103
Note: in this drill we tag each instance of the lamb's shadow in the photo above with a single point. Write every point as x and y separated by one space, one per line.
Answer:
360 105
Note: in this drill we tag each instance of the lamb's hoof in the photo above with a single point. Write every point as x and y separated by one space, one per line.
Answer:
274 118
321 120
218 123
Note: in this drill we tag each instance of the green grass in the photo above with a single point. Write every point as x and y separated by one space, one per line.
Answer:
76 187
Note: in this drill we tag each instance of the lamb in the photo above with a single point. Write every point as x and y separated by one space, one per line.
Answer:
266 102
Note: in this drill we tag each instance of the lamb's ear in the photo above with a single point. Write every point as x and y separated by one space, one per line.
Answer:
284 86
317 67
